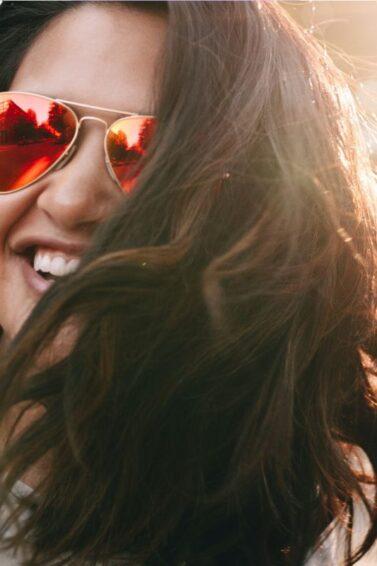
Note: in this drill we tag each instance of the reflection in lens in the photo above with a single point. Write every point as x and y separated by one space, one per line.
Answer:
126 144
34 133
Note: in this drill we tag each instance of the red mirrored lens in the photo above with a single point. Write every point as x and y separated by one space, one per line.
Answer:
34 133
126 143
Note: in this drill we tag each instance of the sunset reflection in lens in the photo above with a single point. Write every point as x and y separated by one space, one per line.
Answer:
34 133
126 143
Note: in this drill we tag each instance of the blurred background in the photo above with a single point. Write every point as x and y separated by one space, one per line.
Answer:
349 30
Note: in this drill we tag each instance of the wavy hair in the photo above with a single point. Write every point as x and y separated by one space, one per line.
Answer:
215 376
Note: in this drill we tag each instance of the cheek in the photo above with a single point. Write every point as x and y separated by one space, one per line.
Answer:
16 301
12 210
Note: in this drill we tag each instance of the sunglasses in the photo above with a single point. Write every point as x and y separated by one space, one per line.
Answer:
38 134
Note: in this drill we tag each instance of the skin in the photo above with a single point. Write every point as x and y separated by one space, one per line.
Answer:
102 56
68 204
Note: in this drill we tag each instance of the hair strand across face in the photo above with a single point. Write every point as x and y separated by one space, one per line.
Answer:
216 370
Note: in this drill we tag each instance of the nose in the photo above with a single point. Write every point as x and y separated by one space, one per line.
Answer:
81 194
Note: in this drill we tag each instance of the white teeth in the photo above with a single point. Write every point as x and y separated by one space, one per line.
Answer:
73 265
57 266
54 263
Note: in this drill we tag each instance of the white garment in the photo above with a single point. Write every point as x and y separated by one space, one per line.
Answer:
330 553
8 558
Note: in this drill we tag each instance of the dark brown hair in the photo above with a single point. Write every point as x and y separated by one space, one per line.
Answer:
204 410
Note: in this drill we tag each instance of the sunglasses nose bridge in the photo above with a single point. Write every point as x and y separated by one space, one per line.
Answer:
83 118
69 153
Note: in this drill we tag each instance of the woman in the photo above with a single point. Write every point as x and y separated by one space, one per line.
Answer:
196 391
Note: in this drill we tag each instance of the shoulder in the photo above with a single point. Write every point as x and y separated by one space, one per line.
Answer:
333 541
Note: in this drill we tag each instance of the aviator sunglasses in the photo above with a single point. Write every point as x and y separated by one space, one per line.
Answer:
38 135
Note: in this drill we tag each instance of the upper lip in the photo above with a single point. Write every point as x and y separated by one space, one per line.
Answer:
68 248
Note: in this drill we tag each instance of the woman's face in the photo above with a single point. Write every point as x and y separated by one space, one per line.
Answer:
102 56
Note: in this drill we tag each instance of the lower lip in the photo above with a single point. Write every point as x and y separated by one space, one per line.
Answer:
35 281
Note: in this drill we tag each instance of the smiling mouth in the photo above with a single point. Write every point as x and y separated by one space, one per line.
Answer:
48 263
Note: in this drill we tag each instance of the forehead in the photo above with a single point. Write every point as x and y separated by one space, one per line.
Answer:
103 56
